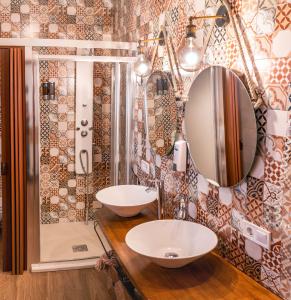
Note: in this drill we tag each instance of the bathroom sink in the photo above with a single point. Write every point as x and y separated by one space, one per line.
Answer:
126 200
171 243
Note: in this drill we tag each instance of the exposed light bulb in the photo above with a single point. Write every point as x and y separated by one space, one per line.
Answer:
189 56
142 66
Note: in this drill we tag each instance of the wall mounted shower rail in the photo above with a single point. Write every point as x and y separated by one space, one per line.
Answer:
67 43
104 59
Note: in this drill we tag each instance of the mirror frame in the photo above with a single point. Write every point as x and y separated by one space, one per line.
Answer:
171 86
240 77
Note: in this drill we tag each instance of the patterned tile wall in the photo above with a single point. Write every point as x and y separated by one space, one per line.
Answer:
56 19
264 196
62 192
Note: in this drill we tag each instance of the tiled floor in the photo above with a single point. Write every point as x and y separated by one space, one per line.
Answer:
57 241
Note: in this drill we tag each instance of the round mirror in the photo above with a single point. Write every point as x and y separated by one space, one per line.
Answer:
220 126
161 112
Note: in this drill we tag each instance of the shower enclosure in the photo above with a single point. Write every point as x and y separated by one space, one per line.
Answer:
62 191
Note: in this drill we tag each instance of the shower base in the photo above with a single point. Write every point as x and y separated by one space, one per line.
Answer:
70 241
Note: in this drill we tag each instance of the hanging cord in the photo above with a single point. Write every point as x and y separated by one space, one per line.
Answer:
86 173
256 96
175 80
154 55
205 44
180 80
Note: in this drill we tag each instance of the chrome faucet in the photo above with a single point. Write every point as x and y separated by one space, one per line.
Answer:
181 212
150 189
159 188
161 199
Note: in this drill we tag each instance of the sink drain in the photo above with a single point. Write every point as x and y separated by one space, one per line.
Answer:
171 255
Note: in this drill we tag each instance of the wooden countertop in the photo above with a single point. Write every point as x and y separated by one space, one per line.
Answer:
209 278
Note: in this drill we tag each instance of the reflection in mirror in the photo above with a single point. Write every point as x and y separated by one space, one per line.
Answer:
161 113
220 126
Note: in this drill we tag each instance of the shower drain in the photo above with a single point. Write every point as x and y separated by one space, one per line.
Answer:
171 255
80 248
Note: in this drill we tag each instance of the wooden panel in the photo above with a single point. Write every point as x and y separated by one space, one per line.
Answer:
18 160
210 277
6 157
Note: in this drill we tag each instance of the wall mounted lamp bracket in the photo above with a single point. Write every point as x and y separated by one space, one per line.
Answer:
221 19
223 16
160 39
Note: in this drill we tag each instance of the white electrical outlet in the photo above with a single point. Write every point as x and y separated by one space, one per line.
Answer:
145 166
257 234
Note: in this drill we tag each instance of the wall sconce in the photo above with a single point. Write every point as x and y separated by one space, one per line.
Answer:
142 66
190 56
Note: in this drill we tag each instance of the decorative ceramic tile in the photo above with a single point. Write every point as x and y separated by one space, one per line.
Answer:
254 210
271 259
271 280
261 117
255 188
263 197
237 251
264 21
279 46
286 267
272 217
252 198
277 122
277 97
273 194
252 268
273 170
280 71
212 202
57 128
283 20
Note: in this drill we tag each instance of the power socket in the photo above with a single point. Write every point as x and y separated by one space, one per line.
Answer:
256 234
145 166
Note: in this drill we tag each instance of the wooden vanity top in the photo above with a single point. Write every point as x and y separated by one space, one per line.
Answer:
209 278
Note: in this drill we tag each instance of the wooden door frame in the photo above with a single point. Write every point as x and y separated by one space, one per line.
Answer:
6 157
14 149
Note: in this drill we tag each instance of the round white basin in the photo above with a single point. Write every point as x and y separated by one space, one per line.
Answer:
126 200
171 243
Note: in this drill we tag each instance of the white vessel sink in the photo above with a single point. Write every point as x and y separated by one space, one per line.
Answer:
171 243
126 200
